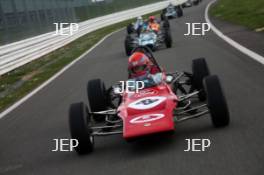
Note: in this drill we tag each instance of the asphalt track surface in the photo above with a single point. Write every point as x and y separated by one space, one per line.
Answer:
26 133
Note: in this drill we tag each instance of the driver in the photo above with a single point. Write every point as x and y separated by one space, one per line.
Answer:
139 23
171 5
153 24
141 68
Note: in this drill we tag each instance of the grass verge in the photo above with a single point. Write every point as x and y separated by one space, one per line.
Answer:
16 84
249 13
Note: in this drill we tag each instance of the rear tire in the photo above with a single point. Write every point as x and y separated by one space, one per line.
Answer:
216 101
97 98
200 71
80 129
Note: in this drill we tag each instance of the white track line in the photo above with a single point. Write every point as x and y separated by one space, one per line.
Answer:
18 103
233 43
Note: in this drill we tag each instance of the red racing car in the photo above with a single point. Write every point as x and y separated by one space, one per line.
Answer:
156 108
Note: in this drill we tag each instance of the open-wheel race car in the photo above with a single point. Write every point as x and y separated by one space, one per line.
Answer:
190 3
156 108
171 12
150 38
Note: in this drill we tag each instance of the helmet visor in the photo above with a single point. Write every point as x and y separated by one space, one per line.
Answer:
138 69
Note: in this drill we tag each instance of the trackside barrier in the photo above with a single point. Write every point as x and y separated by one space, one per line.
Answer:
22 52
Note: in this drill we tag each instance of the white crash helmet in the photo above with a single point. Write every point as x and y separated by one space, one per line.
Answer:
139 18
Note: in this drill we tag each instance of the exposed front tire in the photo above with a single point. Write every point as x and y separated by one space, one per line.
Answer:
162 15
196 2
80 128
130 29
216 101
200 71
168 38
97 98
166 24
128 47
179 11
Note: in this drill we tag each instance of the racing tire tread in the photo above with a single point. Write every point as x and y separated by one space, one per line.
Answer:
200 71
96 93
216 101
128 47
168 38
79 122
179 11
129 29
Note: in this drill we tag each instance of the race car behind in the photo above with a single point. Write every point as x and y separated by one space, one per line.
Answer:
149 37
171 12
190 3
196 2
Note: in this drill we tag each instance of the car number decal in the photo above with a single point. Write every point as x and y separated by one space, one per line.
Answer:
147 102
146 118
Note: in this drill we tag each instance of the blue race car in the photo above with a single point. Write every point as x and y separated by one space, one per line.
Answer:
171 12
149 38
